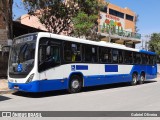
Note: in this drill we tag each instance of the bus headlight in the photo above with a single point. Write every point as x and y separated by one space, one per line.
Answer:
30 78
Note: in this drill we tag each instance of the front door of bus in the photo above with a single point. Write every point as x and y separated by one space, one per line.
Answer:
49 64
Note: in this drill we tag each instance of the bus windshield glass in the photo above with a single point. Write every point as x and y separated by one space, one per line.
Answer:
22 56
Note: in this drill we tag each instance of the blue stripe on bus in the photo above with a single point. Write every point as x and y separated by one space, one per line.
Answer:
111 68
57 84
81 67
106 79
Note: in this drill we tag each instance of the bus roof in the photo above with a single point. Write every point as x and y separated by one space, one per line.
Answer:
99 43
79 40
147 52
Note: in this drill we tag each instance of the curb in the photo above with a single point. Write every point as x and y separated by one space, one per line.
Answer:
6 92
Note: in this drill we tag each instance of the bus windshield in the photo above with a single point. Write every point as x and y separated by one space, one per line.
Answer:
22 57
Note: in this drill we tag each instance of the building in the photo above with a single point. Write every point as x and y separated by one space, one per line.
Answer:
118 25
31 21
115 24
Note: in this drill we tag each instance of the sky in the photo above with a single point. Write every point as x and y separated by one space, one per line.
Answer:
148 11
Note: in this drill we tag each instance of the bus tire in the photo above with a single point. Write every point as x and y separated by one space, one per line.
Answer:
142 78
75 84
134 79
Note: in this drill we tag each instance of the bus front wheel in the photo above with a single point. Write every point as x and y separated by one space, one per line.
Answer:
75 84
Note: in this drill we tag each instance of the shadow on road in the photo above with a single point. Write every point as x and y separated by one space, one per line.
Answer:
64 92
3 98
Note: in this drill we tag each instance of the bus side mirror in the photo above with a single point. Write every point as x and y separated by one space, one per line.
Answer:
5 49
48 50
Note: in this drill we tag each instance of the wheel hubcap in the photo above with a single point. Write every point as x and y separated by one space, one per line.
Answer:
142 78
75 84
134 79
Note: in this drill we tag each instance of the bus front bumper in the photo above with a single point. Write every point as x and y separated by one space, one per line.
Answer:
26 87
39 86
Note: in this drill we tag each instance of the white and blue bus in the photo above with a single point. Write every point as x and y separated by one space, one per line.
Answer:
43 61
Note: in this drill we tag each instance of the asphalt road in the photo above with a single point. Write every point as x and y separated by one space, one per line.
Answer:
116 97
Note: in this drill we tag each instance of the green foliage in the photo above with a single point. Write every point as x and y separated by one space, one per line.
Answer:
57 15
83 23
154 43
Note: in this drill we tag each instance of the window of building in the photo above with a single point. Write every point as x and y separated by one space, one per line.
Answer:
72 52
91 53
116 13
105 55
129 17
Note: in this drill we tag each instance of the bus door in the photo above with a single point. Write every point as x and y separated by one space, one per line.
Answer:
49 60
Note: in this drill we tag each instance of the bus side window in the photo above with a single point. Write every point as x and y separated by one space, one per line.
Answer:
143 59
72 52
155 60
152 60
115 56
137 58
147 59
105 55
128 57
120 56
91 53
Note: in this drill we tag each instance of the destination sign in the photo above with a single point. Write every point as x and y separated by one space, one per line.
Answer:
25 39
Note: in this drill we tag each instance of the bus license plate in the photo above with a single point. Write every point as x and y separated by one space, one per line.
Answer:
16 87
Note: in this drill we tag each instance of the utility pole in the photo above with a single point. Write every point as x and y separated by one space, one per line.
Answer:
147 38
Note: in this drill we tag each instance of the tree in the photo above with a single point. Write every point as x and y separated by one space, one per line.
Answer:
57 15
83 24
54 14
154 43
6 11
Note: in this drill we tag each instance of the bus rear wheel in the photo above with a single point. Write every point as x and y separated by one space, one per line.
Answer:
75 84
134 79
142 79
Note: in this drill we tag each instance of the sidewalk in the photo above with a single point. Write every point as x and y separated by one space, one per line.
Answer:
4 87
